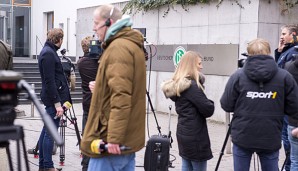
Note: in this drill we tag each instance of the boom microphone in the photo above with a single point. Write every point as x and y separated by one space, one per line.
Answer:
46 118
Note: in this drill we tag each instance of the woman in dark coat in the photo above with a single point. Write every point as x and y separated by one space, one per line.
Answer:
192 107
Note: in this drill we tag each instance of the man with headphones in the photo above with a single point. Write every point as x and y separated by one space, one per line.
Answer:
115 128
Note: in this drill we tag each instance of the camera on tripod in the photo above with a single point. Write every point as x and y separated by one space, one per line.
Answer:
95 50
241 61
8 96
10 85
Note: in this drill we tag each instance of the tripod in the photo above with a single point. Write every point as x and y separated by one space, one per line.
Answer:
63 124
16 133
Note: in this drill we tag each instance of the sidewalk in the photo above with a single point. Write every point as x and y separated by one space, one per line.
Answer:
33 125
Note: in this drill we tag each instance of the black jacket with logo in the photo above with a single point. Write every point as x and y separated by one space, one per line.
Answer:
259 95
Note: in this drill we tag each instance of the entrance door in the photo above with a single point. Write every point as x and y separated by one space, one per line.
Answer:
2 27
19 48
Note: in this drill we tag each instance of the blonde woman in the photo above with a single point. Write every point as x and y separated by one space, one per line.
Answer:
192 107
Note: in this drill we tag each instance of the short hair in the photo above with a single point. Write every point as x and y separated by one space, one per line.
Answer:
258 47
54 35
291 28
85 44
108 11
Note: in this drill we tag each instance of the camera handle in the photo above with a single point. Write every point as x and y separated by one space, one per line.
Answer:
46 118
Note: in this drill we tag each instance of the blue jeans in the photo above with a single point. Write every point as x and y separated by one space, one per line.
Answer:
286 142
188 165
294 149
46 142
113 163
242 158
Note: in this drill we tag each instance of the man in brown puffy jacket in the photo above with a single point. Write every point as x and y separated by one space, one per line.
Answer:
117 111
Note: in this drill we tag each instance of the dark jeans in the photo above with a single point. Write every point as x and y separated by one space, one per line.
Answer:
286 143
242 158
46 142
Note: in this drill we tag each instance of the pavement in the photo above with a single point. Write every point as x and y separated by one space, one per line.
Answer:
33 124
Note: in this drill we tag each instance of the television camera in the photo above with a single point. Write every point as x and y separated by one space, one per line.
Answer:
11 84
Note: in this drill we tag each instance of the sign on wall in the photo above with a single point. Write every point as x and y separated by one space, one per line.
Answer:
217 59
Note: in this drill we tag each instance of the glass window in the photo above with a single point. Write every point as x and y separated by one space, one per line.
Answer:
22 2
5 1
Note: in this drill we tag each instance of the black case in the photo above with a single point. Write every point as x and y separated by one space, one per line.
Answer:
157 153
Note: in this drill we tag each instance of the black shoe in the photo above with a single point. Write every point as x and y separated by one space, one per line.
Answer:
34 151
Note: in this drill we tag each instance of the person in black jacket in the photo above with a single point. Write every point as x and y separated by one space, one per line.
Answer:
192 107
292 67
87 66
54 93
259 94
283 54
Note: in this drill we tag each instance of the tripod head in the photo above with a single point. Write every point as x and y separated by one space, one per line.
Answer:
10 85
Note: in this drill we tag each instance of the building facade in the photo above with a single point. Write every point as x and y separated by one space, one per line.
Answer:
203 25
15 18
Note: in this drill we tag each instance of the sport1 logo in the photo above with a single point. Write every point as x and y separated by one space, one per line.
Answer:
179 52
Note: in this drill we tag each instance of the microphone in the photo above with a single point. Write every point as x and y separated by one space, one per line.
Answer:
98 146
67 105
104 147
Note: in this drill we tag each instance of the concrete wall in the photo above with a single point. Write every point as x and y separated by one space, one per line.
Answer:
63 9
201 24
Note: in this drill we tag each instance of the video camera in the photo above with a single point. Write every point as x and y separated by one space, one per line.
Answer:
63 51
95 50
11 84
241 61
8 96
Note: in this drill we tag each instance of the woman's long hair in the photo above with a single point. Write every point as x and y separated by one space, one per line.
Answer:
187 68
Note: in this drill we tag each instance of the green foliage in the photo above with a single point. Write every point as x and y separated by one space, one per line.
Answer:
134 6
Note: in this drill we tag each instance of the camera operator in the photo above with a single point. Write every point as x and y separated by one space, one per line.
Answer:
87 66
54 93
259 94
283 54
117 109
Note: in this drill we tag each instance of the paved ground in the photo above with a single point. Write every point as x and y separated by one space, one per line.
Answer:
33 125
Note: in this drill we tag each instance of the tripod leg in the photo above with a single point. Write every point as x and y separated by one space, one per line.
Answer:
223 148
8 156
25 155
62 148
19 156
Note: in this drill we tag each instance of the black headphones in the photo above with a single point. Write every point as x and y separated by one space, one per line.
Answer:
108 21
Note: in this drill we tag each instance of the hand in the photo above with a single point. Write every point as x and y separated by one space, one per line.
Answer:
92 86
114 148
295 132
281 45
59 111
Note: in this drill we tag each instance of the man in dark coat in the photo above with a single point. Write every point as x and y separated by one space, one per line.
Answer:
292 67
259 94
54 93
283 54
